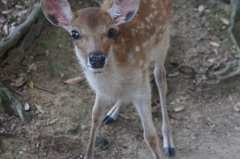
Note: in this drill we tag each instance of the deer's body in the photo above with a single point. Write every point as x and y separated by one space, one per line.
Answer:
115 46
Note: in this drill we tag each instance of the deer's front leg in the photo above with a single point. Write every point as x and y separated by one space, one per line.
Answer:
97 117
143 106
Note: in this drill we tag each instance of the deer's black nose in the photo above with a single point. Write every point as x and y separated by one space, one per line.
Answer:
97 59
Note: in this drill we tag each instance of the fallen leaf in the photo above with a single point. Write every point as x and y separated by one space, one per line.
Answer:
6 11
173 74
236 108
212 43
39 107
32 67
53 121
19 81
75 80
225 21
20 13
5 28
30 83
215 52
124 116
176 116
19 6
179 109
225 59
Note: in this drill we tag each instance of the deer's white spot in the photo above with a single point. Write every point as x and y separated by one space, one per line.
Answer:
151 15
164 26
137 48
131 58
145 43
147 19
122 40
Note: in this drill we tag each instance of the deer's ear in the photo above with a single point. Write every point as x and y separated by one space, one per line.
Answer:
58 12
122 11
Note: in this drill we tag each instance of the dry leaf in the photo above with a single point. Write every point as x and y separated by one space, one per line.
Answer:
30 83
236 108
19 6
212 43
39 108
20 81
173 74
215 52
225 21
53 121
75 80
124 116
5 28
176 116
6 11
179 109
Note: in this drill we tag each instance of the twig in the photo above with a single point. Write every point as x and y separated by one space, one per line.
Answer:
44 89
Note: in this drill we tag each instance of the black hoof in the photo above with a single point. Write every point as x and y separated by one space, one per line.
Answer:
169 152
108 120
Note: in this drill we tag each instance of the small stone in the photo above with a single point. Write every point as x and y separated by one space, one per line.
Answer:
20 152
237 128
201 8
83 127
40 116
26 107
155 109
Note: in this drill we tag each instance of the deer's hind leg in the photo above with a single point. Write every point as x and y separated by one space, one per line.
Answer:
160 78
114 112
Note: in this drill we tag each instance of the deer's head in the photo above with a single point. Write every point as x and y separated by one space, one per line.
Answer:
93 30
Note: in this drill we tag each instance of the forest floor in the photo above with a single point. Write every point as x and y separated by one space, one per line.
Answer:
206 127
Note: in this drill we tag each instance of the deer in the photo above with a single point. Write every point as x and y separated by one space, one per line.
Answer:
115 44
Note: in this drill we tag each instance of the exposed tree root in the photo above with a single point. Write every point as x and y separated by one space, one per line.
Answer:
25 33
233 67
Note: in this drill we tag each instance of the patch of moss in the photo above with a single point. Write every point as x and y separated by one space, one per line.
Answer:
58 65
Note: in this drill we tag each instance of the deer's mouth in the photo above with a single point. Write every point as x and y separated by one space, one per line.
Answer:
96 70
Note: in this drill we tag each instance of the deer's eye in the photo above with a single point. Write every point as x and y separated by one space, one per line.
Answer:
75 34
112 33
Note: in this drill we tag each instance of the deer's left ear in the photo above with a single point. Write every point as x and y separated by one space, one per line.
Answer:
122 11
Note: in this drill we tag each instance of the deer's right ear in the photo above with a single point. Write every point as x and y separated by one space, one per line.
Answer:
58 12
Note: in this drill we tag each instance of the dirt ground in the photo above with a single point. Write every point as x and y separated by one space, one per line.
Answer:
207 128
